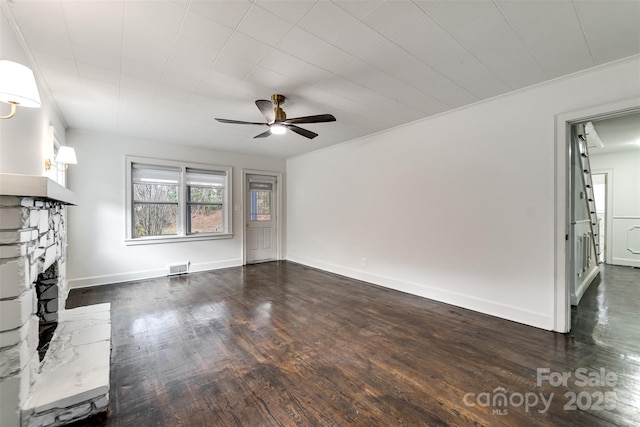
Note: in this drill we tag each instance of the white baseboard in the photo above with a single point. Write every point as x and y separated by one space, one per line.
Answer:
84 282
582 288
214 265
531 318
626 262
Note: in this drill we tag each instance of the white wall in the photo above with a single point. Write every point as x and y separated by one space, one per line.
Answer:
625 211
24 138
457 207
97 253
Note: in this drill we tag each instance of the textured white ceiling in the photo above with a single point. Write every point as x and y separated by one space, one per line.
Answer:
620 133
163 70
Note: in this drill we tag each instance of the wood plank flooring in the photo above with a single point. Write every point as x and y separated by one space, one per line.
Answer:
280 344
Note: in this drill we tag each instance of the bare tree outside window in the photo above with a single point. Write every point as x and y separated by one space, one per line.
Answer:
168 199
155 209
204 209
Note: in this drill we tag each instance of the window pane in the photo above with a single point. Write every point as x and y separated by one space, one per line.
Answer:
154 219
205 194
155 193
260 206
204 219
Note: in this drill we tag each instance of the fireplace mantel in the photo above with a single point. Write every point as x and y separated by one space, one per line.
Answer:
38 187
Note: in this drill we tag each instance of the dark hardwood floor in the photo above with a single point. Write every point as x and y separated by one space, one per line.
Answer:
280 344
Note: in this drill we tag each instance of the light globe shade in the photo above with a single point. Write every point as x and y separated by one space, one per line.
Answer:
66 155
18 85
277 129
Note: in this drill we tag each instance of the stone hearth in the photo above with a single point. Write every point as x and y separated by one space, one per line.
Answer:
72 382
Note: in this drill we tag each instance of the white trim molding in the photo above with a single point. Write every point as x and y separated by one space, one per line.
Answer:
108 279
633 250
582 288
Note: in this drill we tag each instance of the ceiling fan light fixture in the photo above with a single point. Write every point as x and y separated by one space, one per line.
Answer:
277 121
278 129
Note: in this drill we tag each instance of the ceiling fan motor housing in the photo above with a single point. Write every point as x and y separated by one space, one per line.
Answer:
279 113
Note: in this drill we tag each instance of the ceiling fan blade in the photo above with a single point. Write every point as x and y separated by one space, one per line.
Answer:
263 134
320 118
266 108
238 122
300 131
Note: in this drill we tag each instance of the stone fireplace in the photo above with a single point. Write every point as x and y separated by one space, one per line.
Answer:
47 291
70 380
46 286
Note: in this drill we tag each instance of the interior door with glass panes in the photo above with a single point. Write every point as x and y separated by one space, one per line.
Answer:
261 237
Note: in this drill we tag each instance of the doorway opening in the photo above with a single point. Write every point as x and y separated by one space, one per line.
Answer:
585 240
263 225
600 198
625 113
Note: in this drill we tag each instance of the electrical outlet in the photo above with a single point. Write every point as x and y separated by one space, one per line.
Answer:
364 262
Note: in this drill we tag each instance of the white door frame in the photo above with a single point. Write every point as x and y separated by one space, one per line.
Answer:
279 213
608 218
562 232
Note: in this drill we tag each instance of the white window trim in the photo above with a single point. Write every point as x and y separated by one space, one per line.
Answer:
182 205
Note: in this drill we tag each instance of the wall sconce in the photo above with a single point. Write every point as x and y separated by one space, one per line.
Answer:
17 87
66 156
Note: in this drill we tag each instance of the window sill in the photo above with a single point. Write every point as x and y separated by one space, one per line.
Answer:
176 239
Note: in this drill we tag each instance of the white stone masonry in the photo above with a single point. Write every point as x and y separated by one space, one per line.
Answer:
73 380
32 236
